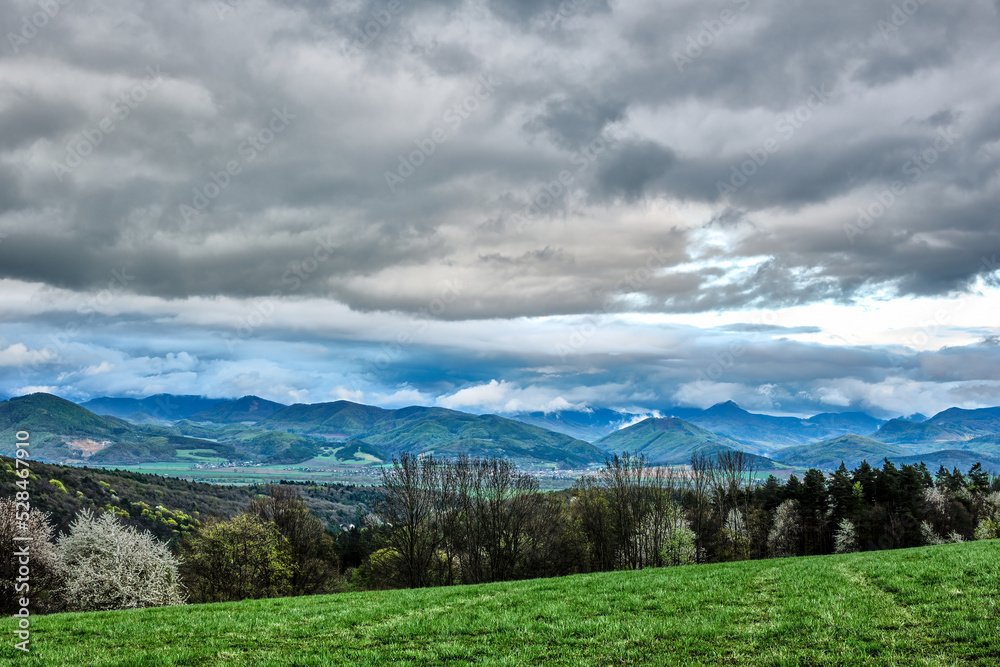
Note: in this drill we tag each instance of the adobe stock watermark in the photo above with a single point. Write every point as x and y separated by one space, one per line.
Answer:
372 29
916 167
558 187
656 259
899 16
88 309
454 118
247 151
725 362
786 126
80 148
224 7
566 10
22 539
698 43
31 24
389 352
296 275
940 318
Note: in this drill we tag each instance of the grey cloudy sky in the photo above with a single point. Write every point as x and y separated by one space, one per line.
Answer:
503 205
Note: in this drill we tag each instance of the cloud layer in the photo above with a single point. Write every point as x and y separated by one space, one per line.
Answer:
436 201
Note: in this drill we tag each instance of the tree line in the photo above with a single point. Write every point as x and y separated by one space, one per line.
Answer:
466 520
439 522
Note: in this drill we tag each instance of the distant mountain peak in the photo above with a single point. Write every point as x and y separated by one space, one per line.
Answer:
729 407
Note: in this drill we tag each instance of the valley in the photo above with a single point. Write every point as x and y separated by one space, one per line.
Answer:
251 440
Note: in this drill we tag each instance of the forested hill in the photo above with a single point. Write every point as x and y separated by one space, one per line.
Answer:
166 506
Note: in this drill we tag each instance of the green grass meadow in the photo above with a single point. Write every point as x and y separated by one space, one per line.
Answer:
929 606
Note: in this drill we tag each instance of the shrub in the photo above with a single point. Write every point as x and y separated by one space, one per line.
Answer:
380 571
680 545
931 538
59 486
986 530
316 563
111 566
242 558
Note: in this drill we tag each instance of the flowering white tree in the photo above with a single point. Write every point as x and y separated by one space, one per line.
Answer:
111 566
845 540
786 533
45 566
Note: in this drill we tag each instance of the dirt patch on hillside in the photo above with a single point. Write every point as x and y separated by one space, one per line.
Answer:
86 447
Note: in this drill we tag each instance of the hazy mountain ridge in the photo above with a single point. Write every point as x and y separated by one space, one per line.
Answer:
851 449
255 429
767 433
66 432
669 441
167 407
248 408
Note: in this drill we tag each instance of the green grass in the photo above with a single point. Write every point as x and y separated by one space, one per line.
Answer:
929 606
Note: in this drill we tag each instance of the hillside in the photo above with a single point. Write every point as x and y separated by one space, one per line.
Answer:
953 458
669 441
246 409
181 501
927 606
339 420
846 422
445 432
987 444
851 449
900 432
97 488
968 423
61 429
449 433
766 433
589 425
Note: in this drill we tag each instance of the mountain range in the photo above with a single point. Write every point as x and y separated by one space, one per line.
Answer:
112 430
670 441
253 429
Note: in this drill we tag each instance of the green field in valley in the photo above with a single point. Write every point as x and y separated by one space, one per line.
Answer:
929 606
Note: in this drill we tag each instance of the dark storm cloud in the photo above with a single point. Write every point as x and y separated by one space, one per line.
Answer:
575 123
889 86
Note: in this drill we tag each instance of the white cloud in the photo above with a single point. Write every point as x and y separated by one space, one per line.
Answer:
506 397
18 354
341 393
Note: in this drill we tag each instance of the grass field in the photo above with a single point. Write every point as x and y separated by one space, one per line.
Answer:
929 606
363 475
319 470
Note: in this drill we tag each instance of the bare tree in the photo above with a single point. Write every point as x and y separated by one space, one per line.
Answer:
494 507
733 482
409 504
593 514
701 481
